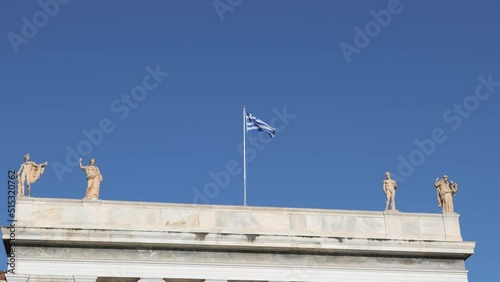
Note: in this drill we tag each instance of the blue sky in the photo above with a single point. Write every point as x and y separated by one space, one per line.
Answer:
414 93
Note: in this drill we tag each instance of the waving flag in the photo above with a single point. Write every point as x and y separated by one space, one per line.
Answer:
254 123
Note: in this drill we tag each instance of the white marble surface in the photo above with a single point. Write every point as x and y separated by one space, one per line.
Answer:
114 215
218 271
75 240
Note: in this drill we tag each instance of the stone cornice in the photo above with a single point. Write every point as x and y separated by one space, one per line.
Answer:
194 241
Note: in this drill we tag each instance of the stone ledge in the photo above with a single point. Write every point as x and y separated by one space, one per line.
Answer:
144 255
193 241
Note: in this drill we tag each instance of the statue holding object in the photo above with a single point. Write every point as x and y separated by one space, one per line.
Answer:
94 179
445 191
28 173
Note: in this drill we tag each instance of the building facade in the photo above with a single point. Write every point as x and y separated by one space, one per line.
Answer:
92 240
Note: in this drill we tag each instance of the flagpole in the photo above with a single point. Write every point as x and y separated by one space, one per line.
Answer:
244 156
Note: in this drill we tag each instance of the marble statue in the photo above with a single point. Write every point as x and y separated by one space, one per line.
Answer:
445 191
94 179
389 185
28 173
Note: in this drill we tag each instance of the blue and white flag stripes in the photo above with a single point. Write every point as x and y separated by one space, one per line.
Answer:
254 123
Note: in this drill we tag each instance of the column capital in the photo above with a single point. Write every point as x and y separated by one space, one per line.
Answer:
16 277
85 278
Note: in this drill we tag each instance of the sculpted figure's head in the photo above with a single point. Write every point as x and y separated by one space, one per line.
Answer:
445 177
92 161
26 157
388 175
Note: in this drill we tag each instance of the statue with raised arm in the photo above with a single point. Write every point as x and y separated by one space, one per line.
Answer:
445 191
94 179
28 173
389 185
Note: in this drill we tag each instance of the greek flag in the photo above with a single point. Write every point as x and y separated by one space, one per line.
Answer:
254 123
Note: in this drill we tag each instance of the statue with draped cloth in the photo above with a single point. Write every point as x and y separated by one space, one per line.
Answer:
94 179
28 173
